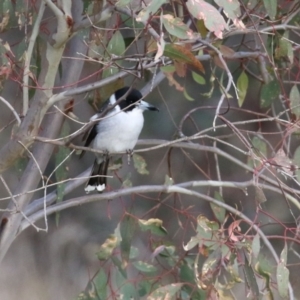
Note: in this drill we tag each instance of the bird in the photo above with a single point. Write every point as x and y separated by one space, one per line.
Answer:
117 131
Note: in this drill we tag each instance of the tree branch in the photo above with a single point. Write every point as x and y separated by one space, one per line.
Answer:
155 189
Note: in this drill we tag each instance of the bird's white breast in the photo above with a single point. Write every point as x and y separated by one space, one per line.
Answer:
119 131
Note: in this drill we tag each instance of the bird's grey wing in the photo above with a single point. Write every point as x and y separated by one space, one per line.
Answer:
91 134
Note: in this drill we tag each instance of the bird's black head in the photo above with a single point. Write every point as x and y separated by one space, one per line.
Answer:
132 99
132 96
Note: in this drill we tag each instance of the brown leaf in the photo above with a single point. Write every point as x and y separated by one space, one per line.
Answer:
226 51
232 229
172 81
180 68
283 162
183 54
218 62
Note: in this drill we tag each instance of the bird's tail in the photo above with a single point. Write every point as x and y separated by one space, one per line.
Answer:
98 177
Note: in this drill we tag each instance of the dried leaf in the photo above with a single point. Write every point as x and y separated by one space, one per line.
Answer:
180 68
233 228
154 225
212 18
183 54
282 161
140 164
226 51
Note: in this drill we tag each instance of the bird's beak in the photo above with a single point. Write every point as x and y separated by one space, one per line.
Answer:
147 106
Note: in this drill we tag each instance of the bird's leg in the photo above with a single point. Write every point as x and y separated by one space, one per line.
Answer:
105 155
129 155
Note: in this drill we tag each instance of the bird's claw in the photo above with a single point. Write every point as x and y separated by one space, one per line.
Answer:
129 155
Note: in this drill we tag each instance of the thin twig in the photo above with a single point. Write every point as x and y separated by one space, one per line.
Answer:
12 110
18 210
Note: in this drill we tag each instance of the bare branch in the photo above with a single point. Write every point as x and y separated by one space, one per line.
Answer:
28 55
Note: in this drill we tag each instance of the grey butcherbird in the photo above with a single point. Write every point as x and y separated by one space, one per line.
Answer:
117 131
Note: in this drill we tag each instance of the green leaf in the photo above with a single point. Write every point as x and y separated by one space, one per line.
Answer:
260 149
177 28
123 3
7 15
271 8
151 9
285 48
259 195
233 269
212 18
242 87
121 268
198 78
297 162
168 181
187 96
100 282
89 293
218 211
61 173
20 165
107 248
250 278
206 229
211 264
261 270
117 165
194 241
282 273
259 145
125 288
232 8
283 254
154 225
127 230
145 287
207 234
140 164
256 245
134 252
168 69
269 93
116 45
127 182
295 101
187 275
168 251
144 267
166 292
